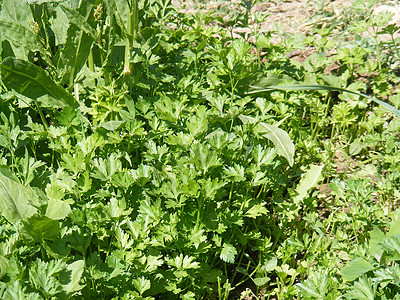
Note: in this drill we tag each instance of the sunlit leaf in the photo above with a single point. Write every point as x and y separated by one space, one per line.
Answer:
16 200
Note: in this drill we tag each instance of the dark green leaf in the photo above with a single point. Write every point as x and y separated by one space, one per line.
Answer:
38 228
33 82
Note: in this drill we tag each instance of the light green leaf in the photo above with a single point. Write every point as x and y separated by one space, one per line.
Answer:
15 200
228 253
33 82
392 246
141 284
112 125
16 11
38 228
261 281
394 228
376 238
3 266
19 35
60 26
256 211
57 209
71 277
277 136
356 268
308 181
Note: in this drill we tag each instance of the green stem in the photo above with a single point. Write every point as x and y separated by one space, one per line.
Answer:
395 45
133 26
46 126
91 60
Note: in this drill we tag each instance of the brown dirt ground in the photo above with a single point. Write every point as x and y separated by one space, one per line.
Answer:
290 16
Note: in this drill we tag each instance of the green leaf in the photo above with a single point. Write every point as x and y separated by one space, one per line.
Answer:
33 82
392 246
74 54
57 209
15 200
228 253
261 281
20 35
71 277
141 284
356 268
79 21
38 228
112 125
60 26
3 266
376 238
256 211
277 136
16 11
364 289
394 228
308 181
316 285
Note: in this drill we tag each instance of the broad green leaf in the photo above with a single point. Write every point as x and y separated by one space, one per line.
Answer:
71 277
21 36
356 268
308 181
117 208
395 227
376 238
74 54
76 18
277 136
16 11
15 200
228 253
121 13
272 84
33 82
57 209
38 228
60 26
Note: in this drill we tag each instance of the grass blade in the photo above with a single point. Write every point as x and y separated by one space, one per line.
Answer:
266 87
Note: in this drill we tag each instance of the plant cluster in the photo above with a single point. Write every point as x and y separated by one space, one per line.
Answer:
151 154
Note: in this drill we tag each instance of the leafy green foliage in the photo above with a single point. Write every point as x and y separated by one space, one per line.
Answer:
138 159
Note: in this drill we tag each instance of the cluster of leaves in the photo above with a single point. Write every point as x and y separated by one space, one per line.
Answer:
136 162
